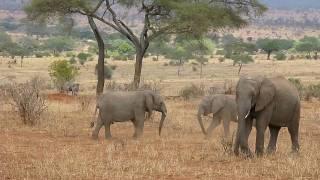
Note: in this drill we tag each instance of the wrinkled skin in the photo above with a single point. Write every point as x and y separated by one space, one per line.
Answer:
222 107
127 106
274 103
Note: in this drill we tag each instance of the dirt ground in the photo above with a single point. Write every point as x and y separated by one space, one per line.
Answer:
60 146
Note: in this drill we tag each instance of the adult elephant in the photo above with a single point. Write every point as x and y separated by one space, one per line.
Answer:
127 106
273 102
222 107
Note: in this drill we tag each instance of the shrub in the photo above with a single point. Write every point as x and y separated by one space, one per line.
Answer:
297 83
194 69
28 99
107 71
312 90
192 91
61 72
72 60
280 56
220 52
165 64
292 57
155 59
69 54
221 59
113 67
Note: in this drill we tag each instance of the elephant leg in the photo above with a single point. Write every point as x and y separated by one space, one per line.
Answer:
95 132
294 133
274 131
138 126
107 131
226 127
244 146
262 122
214 123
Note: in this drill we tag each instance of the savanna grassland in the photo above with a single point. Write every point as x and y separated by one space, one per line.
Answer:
60 146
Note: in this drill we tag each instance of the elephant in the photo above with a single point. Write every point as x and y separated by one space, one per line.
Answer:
223 107
272 102
127 106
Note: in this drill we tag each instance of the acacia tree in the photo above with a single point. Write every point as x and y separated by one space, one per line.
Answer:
272 45
158 17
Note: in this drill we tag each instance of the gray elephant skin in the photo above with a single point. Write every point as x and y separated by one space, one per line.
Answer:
127 106
274 103
222 107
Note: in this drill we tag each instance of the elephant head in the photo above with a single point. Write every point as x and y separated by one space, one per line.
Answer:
252 95
155 102
210 104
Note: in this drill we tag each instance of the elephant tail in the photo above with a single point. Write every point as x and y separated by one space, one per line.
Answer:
94 117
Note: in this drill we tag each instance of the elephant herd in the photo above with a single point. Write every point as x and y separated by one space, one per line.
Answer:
269 102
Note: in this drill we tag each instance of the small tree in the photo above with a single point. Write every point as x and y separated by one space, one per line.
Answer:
272 45
62 71
308 45
241 59
83 57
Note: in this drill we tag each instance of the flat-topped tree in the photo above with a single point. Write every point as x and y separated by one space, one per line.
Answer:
158 17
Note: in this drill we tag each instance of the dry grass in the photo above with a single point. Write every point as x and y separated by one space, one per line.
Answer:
61 148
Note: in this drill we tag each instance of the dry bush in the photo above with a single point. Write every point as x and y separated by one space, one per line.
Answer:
84 102
312 90
144 85
26 97
192 91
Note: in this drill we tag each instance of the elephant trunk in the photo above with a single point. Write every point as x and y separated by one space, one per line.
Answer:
163 116
200 113
244 108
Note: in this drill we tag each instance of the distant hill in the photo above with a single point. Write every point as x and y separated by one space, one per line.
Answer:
12 4
292 4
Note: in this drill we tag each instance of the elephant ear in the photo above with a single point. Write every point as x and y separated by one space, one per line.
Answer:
149 102
217 103
266 94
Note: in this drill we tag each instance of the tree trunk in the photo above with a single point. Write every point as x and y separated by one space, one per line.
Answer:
240 67
316 55
201 65
137 69
21 61
100 69
269 54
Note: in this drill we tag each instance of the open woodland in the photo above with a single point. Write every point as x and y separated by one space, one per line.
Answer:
60 147
58 143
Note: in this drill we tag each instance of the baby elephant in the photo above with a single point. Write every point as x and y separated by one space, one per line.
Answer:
223 107
127 106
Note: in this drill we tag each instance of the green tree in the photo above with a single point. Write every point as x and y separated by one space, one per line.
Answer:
159 46
5 39
308 45
272 45
159 17
121 49
59 44
62 71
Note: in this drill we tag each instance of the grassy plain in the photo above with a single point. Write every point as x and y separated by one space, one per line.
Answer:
60 146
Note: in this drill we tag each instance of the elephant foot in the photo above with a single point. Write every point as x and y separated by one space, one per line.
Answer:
271 151
247 153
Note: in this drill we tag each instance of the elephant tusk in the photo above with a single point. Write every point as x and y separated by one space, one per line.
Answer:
247 114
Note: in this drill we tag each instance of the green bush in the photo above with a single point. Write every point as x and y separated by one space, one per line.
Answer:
220 52
72 60
62 71
280 56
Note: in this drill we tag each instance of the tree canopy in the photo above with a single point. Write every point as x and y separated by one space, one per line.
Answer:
271 45
158 17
